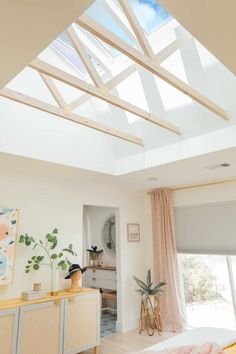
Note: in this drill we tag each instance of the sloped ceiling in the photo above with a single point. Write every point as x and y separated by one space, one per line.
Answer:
212 22
29 26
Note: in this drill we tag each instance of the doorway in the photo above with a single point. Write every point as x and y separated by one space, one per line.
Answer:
100 240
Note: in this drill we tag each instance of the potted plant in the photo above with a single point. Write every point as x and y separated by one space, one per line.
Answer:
94 254
49 256
149 314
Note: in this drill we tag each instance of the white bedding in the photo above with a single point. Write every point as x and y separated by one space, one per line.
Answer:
198 336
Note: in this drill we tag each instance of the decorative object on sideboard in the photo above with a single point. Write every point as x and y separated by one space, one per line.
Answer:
51 257
74 275
149 311
8 233
133 232
94 256
37 287
35 294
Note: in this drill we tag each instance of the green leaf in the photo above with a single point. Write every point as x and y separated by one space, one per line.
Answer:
64 266
60 255
140 283
36 266
40 258
28 242
61 263
33 258
22 239
54 256
50 237
27 270
29 261
149 279
27 266
55 231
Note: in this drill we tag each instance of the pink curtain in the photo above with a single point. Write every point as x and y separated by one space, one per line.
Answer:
165 260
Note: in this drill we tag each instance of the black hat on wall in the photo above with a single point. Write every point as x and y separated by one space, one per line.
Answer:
75 268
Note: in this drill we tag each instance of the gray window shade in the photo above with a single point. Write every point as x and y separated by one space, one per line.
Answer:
206 229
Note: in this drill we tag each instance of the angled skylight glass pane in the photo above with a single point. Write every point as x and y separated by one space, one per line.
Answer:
150 14
70 55
99 13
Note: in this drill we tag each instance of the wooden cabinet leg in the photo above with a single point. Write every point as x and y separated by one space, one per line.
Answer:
96 350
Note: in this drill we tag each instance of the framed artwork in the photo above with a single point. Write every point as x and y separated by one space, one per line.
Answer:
8 234
133 231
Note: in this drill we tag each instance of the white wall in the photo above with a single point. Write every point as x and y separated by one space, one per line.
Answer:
96 218
204 195
51 196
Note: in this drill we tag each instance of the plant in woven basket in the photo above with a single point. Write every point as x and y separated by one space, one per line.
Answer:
148 288
94 252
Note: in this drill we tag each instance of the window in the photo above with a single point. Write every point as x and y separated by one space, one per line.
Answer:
150 14
99 13
208 290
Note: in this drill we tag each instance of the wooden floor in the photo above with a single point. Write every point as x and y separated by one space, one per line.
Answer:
124 343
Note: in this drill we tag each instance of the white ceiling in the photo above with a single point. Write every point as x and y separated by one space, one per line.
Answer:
188 171
212 22
27 132
27 27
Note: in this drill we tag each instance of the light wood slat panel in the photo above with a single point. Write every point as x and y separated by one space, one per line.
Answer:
45 107
53 90
151 65
139 33
102 93
79 47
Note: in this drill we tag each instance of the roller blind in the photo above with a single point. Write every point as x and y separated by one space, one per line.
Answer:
206 229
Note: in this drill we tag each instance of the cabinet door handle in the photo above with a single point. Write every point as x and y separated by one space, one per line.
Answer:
94 279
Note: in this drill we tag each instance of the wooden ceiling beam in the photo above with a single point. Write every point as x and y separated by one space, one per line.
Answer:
112 83
101 93
56 111
81 51
149 64
138 31
54 91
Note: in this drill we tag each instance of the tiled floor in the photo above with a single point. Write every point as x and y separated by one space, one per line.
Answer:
108 323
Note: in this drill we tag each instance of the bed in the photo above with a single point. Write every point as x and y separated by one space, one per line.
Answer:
224 337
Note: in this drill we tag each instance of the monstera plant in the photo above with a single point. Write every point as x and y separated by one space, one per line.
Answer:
148 288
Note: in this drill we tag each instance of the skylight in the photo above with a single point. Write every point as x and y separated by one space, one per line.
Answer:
99 13
150 14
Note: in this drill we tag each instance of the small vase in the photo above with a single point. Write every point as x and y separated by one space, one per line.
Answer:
55 281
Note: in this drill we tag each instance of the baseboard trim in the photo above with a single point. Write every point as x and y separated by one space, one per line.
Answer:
127 326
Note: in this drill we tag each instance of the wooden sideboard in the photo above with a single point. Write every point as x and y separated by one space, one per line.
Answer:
65 324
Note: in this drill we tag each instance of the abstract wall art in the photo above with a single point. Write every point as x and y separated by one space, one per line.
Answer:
8 234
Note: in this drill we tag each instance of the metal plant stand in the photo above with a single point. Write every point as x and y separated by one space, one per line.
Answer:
149 316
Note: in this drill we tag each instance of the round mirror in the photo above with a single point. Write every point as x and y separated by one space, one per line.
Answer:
109 235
